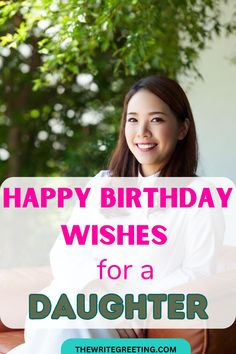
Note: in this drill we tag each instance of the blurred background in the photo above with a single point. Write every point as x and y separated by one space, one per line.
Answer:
66 65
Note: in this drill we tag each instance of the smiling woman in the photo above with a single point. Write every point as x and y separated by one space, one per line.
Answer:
157 137
157 132
152 131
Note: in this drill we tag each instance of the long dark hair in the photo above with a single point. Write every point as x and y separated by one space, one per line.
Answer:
184 160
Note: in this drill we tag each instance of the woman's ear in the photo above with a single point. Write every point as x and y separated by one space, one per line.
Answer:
183 129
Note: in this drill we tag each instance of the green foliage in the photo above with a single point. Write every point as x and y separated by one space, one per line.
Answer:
48 46
136 35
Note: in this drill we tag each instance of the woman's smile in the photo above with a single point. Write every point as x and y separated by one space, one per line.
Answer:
146 147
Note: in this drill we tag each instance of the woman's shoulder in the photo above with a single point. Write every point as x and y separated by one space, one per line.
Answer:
103 173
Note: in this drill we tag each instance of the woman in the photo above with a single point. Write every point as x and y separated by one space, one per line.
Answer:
157 138
157 112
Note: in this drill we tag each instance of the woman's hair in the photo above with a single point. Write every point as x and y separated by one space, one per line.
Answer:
183 162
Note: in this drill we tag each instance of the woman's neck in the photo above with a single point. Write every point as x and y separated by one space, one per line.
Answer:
147 172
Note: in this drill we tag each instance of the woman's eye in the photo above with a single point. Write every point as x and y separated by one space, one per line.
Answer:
131 119
157 119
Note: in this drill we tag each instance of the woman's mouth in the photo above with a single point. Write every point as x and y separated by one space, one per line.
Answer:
146 147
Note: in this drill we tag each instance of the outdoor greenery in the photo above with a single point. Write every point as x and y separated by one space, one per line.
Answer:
65 66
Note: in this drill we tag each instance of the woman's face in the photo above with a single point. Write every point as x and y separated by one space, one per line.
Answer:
151 131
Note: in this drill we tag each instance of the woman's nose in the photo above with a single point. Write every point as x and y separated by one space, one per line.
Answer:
143 130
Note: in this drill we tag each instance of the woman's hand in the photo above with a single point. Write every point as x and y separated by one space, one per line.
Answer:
131 333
